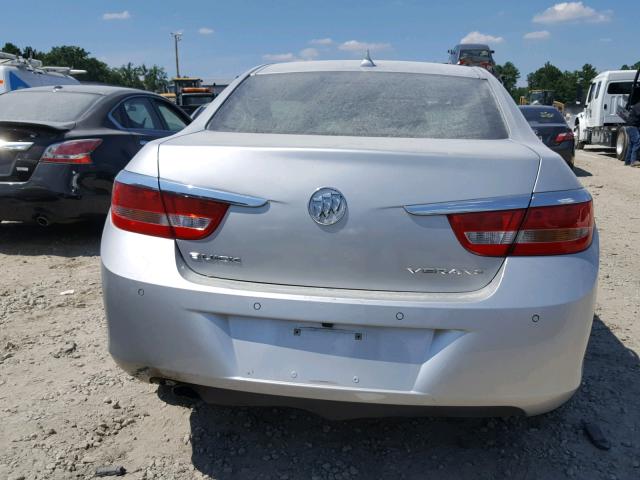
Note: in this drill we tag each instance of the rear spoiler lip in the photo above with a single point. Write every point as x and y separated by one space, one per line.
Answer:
511 202
60 126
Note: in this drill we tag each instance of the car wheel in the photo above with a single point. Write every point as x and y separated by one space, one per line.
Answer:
578 143
621 144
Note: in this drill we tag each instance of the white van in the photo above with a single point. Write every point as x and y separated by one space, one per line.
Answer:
599 123
17 72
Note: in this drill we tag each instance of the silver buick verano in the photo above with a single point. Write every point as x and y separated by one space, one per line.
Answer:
355 234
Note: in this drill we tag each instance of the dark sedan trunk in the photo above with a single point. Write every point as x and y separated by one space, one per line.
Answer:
21 147
558 137
548 132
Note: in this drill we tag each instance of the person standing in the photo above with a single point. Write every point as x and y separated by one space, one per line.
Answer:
633 135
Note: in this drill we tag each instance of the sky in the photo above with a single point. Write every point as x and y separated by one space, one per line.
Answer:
222 39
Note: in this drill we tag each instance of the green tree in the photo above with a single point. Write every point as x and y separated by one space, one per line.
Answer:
154 78
587 73
635 66
77 57
509 74
128 75
565 85
545 78
30 52
11 48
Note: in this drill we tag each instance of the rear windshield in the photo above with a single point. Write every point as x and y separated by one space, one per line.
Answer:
481 54
362 104
195 100
620 88
41 106
542 115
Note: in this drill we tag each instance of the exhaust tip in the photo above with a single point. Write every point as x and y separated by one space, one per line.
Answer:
43 221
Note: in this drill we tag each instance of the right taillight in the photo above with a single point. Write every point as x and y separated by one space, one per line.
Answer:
149 211
564 137
545 230
555 230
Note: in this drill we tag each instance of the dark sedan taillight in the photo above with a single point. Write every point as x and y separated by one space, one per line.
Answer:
164 214
564 137
72 151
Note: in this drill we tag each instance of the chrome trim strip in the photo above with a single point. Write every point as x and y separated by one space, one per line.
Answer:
212 194
511 202
137 179
146 181
564 197
15 146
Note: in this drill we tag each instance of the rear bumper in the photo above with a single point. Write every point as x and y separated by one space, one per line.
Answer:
567 151
58 192
517 343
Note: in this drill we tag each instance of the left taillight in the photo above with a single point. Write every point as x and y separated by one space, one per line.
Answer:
149 211
72 151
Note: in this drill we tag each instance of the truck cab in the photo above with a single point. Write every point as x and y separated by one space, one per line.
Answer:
188 93
600 123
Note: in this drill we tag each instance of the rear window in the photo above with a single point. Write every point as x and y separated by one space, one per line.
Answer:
362 104
192 100
620 88
542 115
41 106
482 54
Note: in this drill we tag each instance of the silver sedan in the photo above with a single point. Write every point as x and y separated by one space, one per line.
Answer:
372 235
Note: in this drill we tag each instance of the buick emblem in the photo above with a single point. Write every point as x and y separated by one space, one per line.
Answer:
327 206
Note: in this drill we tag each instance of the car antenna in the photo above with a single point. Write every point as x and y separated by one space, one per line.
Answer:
366 61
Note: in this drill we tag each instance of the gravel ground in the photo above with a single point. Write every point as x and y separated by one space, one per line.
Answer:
66 409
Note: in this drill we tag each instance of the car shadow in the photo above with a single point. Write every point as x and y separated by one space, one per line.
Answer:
604 151
72 240
581 172
265 443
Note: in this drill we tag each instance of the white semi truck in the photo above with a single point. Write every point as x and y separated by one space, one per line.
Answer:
599 123
17 72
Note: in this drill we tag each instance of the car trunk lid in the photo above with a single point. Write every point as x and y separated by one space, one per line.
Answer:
21 146
377 245
547 132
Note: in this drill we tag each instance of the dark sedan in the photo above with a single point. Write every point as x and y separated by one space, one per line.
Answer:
61 147
473 55
550 127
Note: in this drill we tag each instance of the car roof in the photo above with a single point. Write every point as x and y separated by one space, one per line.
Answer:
107 97
380 66
469 46
105 90
615 75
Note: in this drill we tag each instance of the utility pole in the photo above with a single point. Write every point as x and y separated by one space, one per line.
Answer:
177 36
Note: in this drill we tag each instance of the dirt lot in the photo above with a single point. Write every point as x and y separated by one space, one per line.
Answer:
66 409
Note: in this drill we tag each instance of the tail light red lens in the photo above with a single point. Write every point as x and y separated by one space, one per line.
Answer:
553 230
564 137
193 218
73 151
488 233
164 214
556 230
